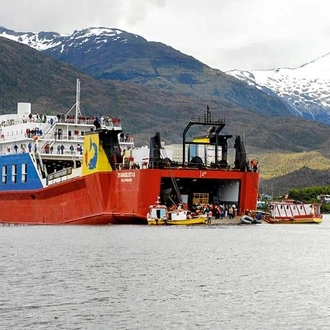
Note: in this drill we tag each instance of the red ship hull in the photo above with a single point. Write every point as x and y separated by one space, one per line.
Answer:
115 197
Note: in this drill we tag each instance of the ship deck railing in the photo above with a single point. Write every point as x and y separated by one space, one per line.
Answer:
111 122
208 119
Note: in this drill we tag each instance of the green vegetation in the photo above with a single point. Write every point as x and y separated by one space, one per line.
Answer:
276 163
309 195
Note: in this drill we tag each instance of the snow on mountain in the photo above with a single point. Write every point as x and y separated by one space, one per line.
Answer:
39 41
46 40
306 89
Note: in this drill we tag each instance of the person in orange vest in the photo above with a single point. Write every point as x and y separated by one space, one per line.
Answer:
254 165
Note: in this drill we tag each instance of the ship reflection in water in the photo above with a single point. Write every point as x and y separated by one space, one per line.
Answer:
142 277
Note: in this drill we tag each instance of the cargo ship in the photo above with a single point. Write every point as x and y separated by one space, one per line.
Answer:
76 170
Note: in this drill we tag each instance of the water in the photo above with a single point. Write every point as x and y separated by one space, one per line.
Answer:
140 277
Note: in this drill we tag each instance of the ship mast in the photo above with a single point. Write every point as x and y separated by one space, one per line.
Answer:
208 120
78 113
77 104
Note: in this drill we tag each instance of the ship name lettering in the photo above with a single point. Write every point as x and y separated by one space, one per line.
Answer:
126 175
202 174
126 180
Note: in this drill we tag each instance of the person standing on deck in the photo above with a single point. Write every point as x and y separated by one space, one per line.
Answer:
230 212
209 216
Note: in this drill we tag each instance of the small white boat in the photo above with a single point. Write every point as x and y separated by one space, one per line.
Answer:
159 215
248 220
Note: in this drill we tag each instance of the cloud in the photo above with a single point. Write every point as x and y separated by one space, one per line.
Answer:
224 34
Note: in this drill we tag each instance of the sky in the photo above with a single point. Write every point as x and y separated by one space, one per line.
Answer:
224 34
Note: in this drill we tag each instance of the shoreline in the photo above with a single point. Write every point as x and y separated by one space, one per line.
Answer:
226 221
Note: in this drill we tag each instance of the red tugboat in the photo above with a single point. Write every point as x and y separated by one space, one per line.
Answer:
98 186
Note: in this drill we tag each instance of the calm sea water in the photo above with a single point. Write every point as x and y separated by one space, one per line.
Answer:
140 277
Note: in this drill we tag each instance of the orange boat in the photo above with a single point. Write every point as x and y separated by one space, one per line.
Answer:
97 185
293 212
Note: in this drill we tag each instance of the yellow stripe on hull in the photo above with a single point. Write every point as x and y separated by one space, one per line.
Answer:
155 222
185 222
296 221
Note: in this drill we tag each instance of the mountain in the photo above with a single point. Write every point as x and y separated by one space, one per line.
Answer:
113 54
305 89
38 41
302 178
281 171
28 75
116 55
148 83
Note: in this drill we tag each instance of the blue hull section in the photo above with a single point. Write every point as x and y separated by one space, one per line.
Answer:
18 173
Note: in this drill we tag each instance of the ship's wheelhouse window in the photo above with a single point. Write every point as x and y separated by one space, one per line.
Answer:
14 173
4 173
24 172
